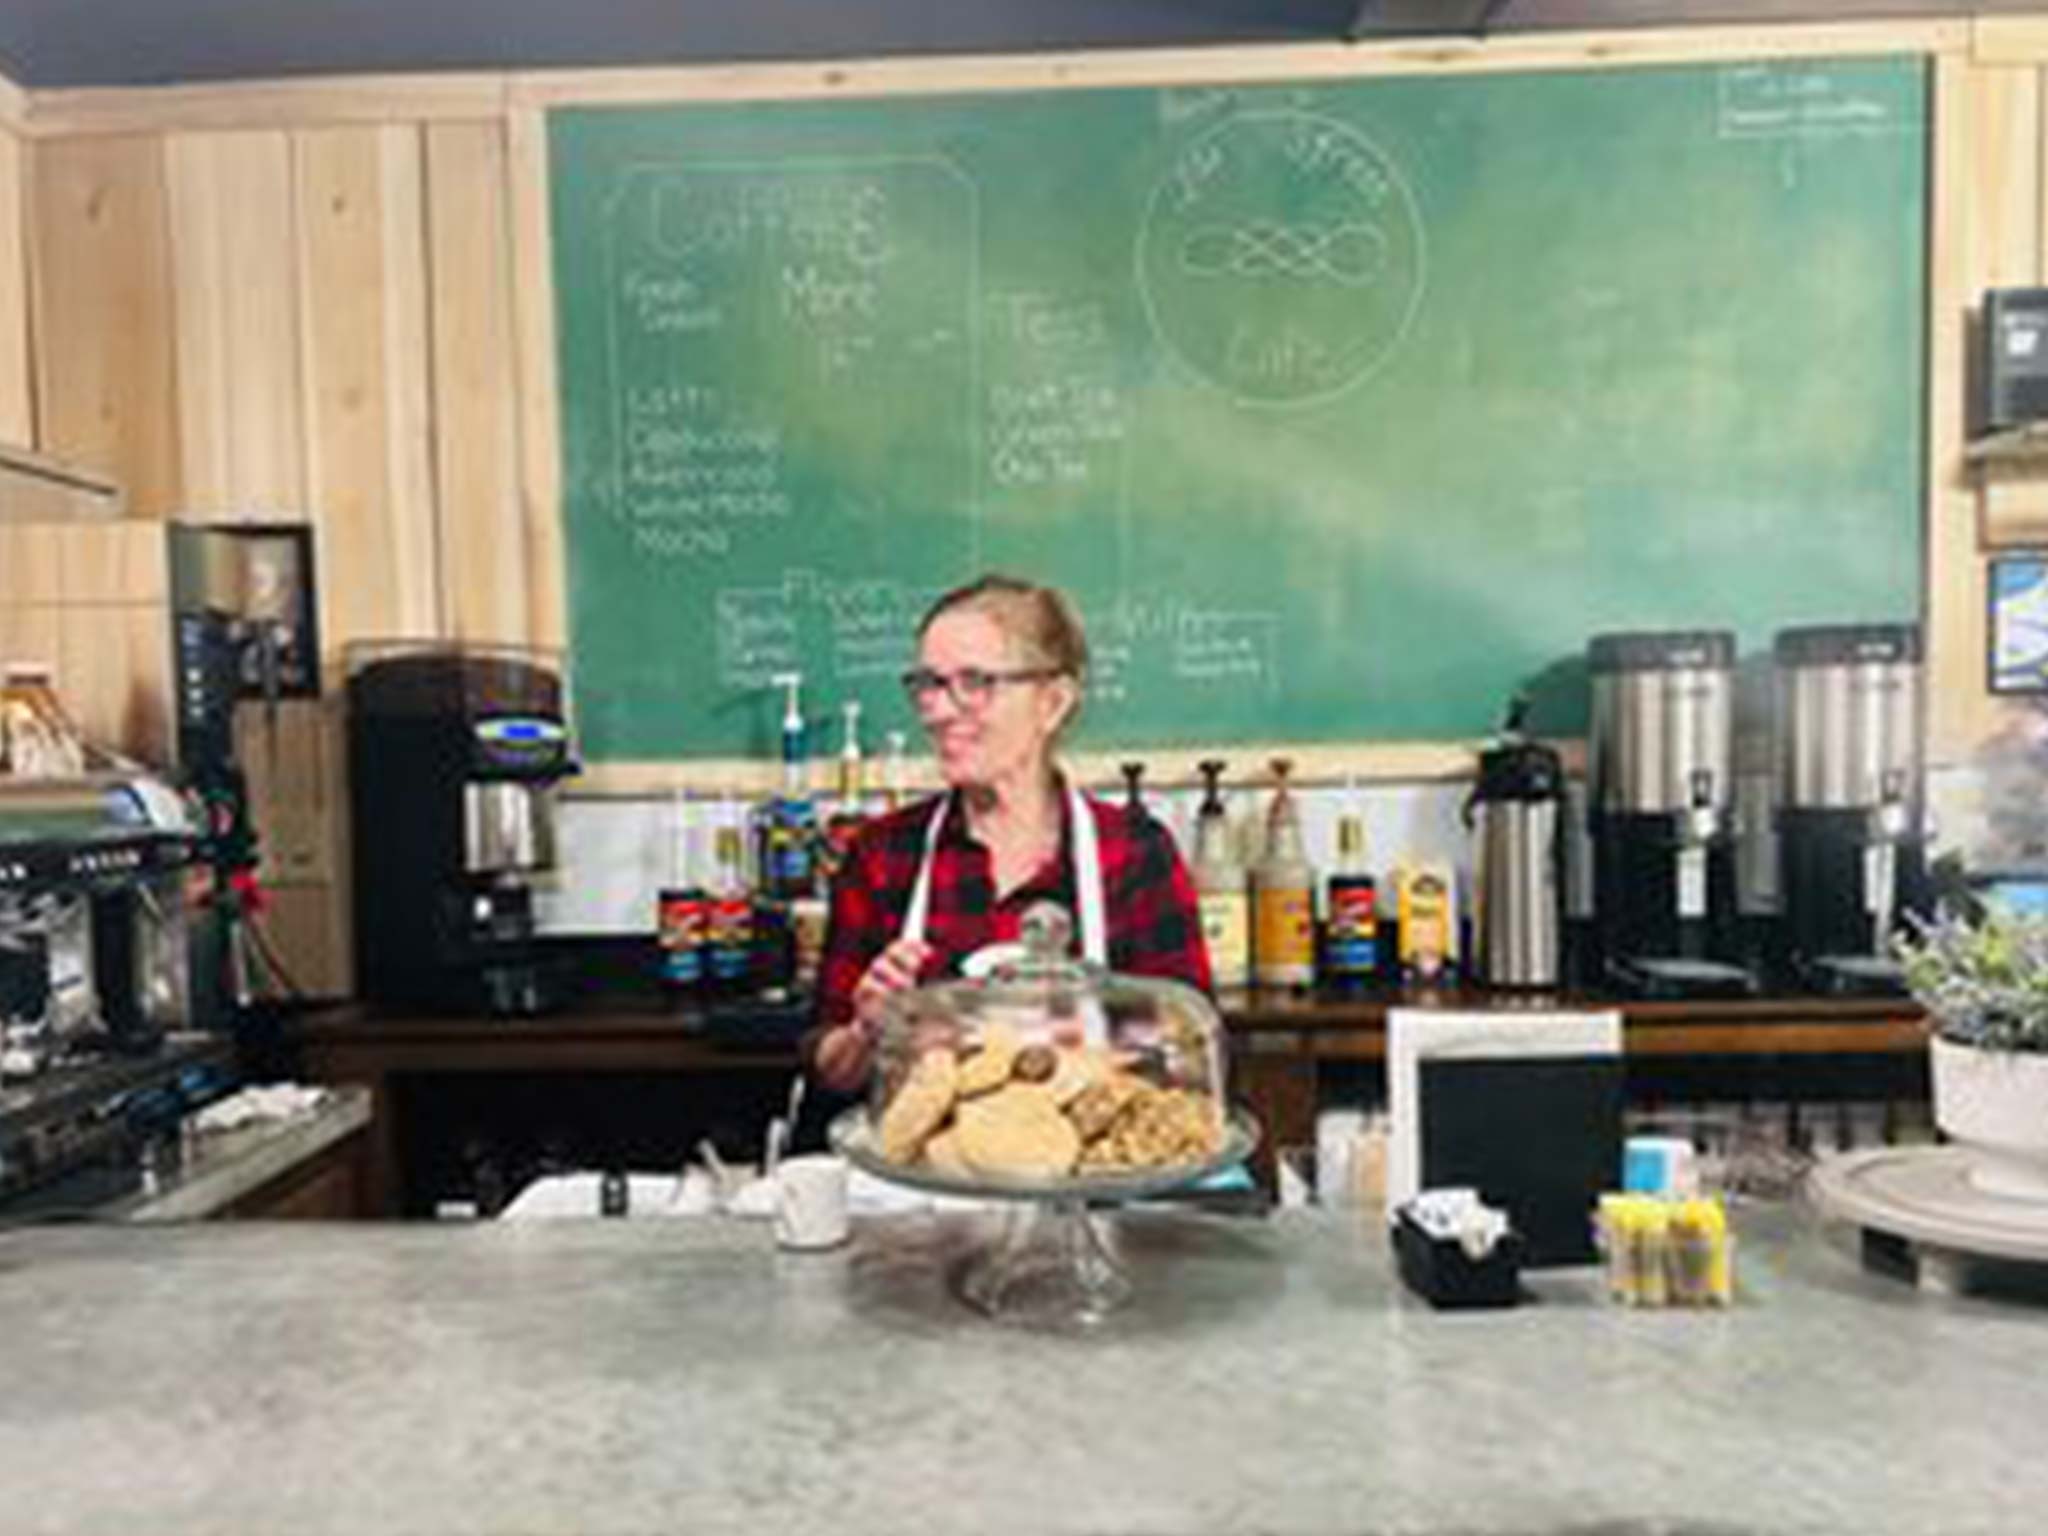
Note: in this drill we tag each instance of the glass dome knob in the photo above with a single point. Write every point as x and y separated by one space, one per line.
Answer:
1046 931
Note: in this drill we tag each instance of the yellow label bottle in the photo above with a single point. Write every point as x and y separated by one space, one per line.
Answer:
1283 898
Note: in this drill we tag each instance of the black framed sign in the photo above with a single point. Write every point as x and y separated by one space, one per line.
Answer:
2018 629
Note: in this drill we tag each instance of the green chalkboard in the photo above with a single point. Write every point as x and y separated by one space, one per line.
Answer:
1342 409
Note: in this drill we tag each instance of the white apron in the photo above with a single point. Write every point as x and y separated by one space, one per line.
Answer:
1087 890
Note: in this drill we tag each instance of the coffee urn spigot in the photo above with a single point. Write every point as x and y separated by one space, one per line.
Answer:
1704 821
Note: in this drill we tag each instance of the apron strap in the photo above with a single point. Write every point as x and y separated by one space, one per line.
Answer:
915 914
1087 878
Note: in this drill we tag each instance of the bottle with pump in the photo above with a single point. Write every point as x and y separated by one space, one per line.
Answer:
1220 890
787 833
1134 794
683 911
895 771
1283 896
1351 905
848 810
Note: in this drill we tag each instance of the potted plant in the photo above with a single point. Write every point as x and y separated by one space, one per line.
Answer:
1983 980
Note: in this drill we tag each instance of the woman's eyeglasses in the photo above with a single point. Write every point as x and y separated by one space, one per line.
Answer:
970 687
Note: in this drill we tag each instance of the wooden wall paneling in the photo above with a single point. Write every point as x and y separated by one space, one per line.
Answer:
148 729
2004 250
284 755
292 758
241 432
301 924
30 568
17 395
533 286
112 624
362 254
93 671
1985 174
2009 39
484 557
29 634
99 564
363 259
102 316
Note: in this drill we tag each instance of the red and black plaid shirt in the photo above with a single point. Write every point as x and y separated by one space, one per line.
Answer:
1154 926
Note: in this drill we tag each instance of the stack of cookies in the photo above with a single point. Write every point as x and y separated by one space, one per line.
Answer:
1036 1110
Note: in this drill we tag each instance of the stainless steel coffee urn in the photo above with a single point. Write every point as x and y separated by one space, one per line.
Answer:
1850 800
1515 812
1661 800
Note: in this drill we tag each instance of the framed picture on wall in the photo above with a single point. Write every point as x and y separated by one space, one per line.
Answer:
2019 623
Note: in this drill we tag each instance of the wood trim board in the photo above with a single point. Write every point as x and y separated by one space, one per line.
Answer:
1234 64
342 99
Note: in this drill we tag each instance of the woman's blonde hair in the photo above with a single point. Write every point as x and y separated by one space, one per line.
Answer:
1039 619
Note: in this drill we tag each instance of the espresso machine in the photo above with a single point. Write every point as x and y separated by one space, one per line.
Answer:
1661 811
455 753
102 951
1850 814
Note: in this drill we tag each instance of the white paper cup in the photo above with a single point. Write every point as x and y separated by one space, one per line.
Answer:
810 1201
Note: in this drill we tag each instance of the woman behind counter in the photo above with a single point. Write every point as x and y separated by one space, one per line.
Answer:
1000 670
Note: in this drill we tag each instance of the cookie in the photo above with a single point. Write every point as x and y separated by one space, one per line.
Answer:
989 1068
1158 1128
942 1152
1035 1064
1017 1130
1077 1072
920 1106
1097 1107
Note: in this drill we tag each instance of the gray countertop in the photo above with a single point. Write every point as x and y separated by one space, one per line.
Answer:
668 1376
219 1167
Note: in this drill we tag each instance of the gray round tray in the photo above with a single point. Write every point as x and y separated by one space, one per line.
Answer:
852 1137
1924 1195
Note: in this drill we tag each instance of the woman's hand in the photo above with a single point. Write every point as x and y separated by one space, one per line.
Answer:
894 970
845 1052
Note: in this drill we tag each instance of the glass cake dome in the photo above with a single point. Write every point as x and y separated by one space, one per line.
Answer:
1043 1074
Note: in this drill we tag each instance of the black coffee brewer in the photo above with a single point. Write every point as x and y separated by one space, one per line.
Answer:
454 757
1661 811
1851 823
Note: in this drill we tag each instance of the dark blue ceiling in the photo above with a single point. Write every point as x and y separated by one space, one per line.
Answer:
49 43
53 43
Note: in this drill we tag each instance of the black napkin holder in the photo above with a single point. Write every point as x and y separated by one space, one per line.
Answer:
1440 1271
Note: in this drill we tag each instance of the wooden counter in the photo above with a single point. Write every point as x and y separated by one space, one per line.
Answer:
1278 1042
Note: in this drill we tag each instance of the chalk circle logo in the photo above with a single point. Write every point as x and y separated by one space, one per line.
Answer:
1281 258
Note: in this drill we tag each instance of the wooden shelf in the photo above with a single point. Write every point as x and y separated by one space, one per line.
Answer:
1276 1040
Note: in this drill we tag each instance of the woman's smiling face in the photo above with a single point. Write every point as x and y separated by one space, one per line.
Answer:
1007 734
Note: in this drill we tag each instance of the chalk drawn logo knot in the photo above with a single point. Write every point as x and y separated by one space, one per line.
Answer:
1281 258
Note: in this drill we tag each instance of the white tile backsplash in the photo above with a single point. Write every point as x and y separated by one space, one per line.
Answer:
616 854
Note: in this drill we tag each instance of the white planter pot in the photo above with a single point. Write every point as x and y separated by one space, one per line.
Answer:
1996 1104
